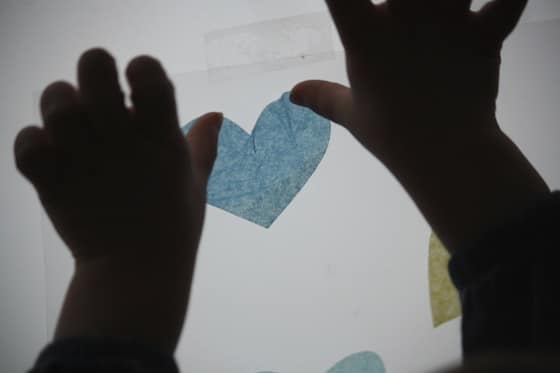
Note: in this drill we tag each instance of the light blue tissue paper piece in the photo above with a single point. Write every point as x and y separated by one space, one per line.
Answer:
257 176
361 362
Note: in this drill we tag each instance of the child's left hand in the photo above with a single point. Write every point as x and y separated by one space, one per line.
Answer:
126 192
118 181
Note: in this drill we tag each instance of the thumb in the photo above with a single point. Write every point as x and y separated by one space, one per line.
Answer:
202 140
330 100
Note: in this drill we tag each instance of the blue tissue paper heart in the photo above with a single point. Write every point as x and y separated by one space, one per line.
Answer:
257 176
361 362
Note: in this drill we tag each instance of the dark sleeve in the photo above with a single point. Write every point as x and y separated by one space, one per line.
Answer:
509 283
100 354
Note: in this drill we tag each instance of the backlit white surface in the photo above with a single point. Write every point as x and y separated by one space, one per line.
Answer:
295 298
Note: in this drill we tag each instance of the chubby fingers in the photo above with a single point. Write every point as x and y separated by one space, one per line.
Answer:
38 150
330 100
202 141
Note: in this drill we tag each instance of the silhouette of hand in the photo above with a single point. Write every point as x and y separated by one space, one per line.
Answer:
417 69
117 181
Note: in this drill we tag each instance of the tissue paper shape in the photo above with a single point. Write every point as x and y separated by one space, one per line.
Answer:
444 298
256 176
361 362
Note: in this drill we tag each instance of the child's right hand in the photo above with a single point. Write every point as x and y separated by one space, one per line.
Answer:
424 82
417 69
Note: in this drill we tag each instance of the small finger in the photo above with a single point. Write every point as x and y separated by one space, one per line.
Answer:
152 94
202 140
100 90
354 20
500 17
63 115
330 100
35 157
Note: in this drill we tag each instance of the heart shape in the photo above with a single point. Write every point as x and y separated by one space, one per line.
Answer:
360 362
257 176
444 298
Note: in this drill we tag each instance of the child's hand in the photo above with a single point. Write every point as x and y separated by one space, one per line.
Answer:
127 194
415 68
118 181
424 81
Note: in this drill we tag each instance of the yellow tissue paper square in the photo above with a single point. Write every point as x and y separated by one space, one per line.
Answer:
444 298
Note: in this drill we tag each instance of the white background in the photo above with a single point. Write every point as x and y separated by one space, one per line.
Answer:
344 269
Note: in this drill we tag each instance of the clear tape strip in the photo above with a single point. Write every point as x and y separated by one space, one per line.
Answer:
271 45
